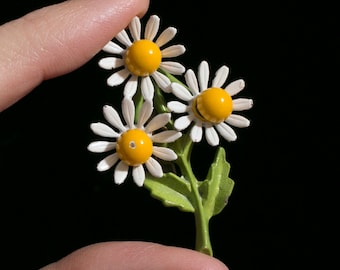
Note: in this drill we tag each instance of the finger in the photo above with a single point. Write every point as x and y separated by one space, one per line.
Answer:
135 255
57 39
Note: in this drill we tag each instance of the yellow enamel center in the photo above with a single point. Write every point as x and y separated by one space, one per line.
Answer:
134 147
213 105
143 57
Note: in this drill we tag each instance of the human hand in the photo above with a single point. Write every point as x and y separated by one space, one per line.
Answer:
57 39
135 255
54 41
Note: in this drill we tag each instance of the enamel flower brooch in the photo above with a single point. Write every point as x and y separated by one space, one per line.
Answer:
167 110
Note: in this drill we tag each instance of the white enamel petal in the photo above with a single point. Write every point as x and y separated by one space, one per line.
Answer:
147 88
167 35
124 38
241 104
107 162
164 153
162 81
135 28
181 92
138 175
112 116
151 28
177 107
191 80
145 113
159 121
121 172
166 136
226 132
118 77
173 67
154 167
220 77
211 136
196 133
101 146
103 130
113 48
128 110
173 51
130 87
237 121
183 122
235 87
110 63
203 75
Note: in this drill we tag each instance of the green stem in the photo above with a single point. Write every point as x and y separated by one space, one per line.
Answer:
183 149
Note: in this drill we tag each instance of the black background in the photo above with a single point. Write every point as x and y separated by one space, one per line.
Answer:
282 212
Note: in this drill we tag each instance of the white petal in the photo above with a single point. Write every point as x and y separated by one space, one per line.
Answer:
113 48
177 107
173 67
241 104
151 27
107 162
203 75
183 122
118 77
103 130
167 35
123 37
181 92
235 87
226 132
159 121
220 77
101 146
145 113
154 167
130 87
121 172
162 81
173 51
196 133
135 28
164 153
110 63
138 175
128 110
211 136
237 121
147 88
166 136
191 81
112 116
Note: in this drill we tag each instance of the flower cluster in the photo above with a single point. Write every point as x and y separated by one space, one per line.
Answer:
162 117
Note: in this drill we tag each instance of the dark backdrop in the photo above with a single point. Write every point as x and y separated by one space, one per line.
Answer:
283 208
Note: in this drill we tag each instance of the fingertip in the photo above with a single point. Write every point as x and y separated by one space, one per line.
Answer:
135 255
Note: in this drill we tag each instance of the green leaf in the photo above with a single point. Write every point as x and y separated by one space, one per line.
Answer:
217 188
172 190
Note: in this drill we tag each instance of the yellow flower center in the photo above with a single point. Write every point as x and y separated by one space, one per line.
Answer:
134 147
143 57
213 105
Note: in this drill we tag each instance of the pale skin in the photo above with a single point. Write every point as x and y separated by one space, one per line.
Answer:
53 41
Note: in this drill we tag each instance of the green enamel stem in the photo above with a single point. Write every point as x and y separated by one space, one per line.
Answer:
183 147
203 243
138 101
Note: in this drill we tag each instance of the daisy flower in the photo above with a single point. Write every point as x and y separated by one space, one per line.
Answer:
133 144
209 108
142 57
